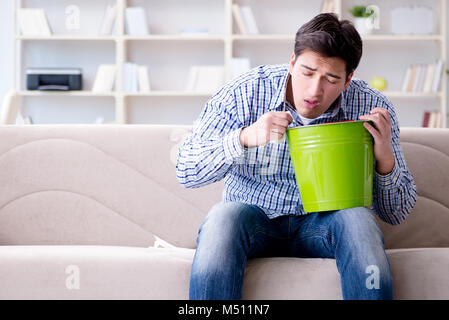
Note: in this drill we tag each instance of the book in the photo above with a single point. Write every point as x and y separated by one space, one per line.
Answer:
44 27
437 75
33 22
427 87
105 78
108 21
205 79
416 78
249 20
437 123
239 19
426 118
239 66
406 79
130 77
136 21
412 78
435 119
421 77
144 82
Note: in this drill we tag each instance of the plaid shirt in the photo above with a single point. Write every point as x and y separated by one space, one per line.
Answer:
264 176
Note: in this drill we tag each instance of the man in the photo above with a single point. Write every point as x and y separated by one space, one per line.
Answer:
261 213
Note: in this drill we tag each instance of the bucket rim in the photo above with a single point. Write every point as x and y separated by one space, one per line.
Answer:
328 124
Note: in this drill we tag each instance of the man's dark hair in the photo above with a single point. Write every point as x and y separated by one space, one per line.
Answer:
330 37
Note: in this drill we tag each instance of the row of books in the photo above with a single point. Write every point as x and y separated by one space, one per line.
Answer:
33 22
432 119
135 21
134 78
244 18
423 77
205 78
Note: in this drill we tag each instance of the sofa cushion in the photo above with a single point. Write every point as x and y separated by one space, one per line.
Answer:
111 272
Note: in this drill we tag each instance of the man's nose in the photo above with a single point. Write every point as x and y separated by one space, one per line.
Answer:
316 87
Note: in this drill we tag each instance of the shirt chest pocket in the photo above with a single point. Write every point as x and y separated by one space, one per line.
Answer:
263 161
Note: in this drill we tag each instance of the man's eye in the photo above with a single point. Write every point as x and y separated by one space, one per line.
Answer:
307 74
330 81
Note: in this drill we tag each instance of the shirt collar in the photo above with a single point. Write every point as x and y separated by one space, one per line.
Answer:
279 97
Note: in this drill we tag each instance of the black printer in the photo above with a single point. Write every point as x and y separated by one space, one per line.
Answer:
54 79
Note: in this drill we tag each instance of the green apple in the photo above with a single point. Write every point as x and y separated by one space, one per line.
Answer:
378 83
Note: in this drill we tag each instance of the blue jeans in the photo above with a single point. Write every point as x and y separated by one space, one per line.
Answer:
234 232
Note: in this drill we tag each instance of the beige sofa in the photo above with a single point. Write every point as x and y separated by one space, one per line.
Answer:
80 206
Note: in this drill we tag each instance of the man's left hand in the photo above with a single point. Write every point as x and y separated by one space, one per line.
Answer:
383 152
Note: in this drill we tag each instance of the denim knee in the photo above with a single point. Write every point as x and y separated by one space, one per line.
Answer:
358 225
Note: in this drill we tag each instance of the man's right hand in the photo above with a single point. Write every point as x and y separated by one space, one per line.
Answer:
269 127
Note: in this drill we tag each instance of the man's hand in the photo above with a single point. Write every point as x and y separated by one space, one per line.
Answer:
269 127
383 152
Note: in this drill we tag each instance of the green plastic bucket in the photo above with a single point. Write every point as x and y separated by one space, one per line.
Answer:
333 164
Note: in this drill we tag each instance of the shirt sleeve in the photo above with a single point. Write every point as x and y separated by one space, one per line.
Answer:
213 146
394 194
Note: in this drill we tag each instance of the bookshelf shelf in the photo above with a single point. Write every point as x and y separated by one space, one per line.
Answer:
168 93
391 37
400 94
263 37
174 38
168 54
68 38
81 93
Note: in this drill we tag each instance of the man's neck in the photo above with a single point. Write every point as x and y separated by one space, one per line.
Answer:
289 92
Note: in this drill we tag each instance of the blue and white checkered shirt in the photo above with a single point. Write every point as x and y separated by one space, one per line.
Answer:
264 176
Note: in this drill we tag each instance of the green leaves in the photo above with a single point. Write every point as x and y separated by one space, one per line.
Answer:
360 12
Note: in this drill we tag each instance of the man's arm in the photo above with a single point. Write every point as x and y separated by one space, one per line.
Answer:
213 145
394 188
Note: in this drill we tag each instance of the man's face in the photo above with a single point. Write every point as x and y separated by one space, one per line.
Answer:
316 82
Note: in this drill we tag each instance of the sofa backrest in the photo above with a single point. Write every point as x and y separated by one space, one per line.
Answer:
97 185
116 185
427 155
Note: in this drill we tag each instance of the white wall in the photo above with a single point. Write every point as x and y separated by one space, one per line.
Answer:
6 47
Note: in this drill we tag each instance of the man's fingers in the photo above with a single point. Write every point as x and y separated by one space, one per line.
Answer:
281 122
382 112
283 115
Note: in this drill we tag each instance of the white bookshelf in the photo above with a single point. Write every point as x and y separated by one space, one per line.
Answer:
169 55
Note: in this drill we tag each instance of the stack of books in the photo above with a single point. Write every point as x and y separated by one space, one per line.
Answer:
136 21
134 78
33 22
206 79
432 119
245 20
424 78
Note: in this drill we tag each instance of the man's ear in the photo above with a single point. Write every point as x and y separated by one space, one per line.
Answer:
292 63
348 80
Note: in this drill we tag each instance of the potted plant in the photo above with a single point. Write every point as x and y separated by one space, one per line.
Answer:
362 16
